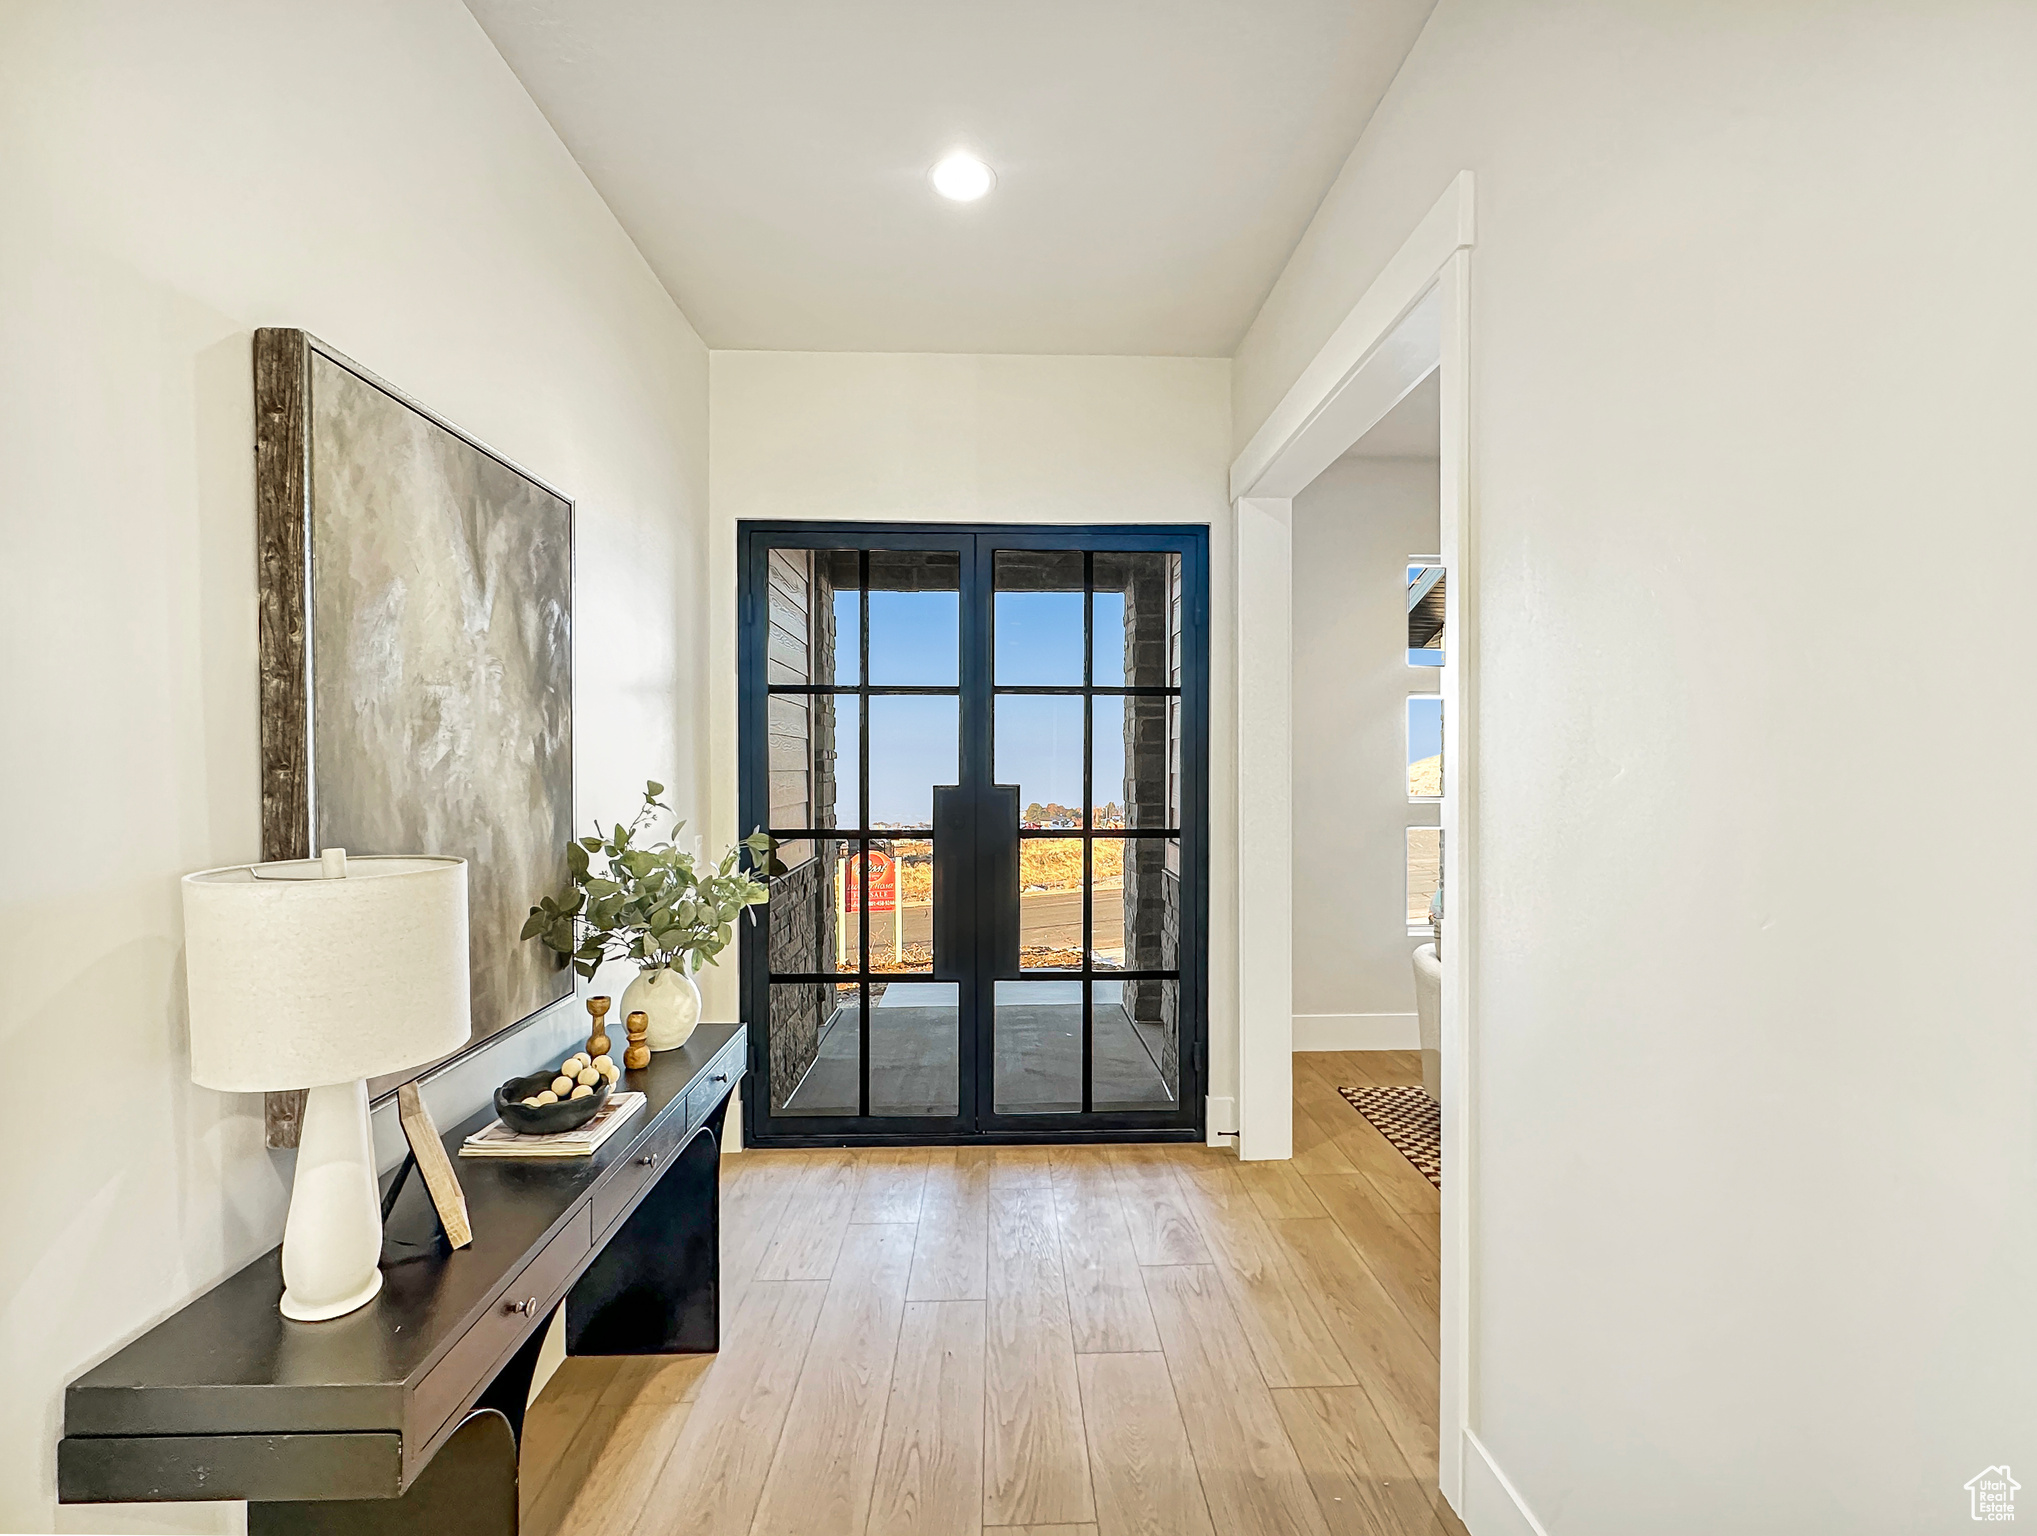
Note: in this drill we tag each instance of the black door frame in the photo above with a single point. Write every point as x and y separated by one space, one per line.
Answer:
975 1122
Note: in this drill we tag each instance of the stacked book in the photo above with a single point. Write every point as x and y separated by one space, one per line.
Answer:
498 1140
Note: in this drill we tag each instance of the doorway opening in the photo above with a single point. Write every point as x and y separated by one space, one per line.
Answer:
1411 323
983 754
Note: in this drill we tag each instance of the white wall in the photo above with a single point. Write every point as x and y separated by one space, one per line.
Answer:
1354 528
1754 1065
171 178
934 437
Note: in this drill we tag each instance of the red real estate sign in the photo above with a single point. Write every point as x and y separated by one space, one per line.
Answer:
883 884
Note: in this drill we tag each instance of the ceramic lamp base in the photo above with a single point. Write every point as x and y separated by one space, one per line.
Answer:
298 1313
332 1241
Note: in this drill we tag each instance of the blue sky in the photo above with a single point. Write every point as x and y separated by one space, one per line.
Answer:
1425 728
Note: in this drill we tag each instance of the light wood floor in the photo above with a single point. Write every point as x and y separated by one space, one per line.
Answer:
1082 1341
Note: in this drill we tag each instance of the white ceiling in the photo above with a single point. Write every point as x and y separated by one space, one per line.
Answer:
1413 429
1156 163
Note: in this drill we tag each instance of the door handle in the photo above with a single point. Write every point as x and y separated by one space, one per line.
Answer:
997 856
985 823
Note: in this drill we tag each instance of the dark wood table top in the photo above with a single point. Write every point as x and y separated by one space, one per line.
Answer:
230 1363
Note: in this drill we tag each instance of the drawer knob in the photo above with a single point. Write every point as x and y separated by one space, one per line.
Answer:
522 1308
721 1077
648 1160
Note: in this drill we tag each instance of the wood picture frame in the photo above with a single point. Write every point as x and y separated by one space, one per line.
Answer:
415 642
443 1184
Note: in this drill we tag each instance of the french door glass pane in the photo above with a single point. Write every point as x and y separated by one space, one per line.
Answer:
1135 618
1037 1034
1133 759
1050 903
814 634
912 748
1136 1060
1037 619
915 1061
1039 748
915 619
901 905
808 934
1107 761
816 1048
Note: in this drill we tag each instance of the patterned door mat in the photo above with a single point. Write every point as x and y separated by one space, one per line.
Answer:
1408 1118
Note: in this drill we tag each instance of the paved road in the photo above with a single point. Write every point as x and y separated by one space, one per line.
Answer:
1052 918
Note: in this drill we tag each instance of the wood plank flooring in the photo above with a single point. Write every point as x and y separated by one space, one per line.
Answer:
1037 1341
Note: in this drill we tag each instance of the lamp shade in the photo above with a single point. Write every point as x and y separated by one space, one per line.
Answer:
298 979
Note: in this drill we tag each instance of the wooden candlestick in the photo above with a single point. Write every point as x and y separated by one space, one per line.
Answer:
638 1056
597 1042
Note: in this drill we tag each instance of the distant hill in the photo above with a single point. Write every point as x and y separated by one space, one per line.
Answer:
1425 776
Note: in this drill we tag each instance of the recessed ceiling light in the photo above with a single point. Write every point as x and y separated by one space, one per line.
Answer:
962 178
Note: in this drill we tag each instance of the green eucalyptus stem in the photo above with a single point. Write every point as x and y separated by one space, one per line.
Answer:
645 900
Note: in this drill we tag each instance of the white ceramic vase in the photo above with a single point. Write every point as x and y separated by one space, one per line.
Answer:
670 1002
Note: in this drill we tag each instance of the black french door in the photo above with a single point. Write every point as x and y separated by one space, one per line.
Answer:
983 752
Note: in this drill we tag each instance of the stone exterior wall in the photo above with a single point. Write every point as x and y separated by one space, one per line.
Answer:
1152 895
801 913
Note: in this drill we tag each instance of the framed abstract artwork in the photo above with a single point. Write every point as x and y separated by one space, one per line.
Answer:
416 635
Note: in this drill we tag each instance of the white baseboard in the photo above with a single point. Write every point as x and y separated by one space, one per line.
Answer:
1357 1032
1492 1505
1220 1118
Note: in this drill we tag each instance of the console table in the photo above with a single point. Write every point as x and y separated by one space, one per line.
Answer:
404 1417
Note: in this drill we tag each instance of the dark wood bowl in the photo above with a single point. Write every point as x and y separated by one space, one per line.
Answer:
566 1115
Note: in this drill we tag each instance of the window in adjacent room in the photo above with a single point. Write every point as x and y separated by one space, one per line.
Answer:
1425 747
1425 613
1424 871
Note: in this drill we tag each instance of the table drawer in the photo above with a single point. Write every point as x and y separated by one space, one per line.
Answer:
720 1078
638 1171
524 1304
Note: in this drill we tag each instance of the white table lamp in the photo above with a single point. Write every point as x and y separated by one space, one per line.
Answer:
318 974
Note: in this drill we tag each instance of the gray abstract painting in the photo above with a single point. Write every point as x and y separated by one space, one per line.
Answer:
439 630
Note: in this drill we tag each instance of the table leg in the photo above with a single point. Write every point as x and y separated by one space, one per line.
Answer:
655 1287
467 1489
